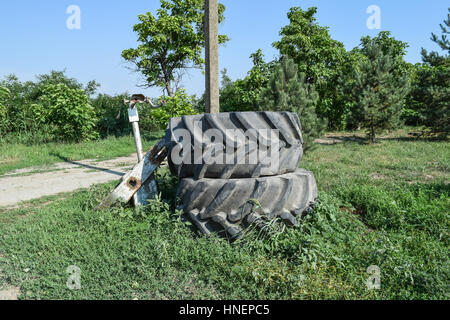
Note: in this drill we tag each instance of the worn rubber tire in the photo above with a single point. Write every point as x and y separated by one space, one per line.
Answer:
290 146
231 204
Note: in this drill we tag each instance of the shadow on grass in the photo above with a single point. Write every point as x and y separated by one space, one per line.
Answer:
335 139
355 139
87 166
413 139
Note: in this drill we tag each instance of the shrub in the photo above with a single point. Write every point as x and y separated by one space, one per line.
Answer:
68 110
4 95
112 115
24 116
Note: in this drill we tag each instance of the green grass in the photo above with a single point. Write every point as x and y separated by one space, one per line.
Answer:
386 205
18 155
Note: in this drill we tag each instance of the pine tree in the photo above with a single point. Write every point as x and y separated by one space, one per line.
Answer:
430 96
288 91
378 91
443 42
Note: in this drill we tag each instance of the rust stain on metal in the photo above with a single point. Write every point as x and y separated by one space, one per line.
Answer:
159 157
134 184
135 179
158 153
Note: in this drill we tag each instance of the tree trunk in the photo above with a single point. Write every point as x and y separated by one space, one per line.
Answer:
169 89
167 81
372 135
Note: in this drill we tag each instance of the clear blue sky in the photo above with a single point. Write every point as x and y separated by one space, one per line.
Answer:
35 39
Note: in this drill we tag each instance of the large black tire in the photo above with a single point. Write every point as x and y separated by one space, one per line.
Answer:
290 144
232 204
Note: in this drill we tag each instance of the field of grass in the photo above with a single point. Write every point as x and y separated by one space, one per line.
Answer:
385 205
19 155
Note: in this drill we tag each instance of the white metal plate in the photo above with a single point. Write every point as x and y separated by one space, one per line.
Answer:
133 115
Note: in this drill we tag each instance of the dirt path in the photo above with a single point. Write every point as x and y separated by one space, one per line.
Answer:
36 182
9 293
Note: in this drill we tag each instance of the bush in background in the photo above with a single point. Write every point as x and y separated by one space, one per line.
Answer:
4 96
112 115
68 110
23 117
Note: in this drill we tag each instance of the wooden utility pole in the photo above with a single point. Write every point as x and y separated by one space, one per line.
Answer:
212 56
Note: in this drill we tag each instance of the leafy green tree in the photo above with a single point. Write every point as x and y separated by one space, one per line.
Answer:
378 91
180 104
288 91
68 110
430 95
244 94
57 77
318 56
170 43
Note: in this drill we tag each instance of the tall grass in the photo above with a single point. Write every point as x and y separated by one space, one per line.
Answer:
17 155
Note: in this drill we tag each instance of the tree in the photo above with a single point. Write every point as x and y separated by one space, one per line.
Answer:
430 95
180 104
244 94
170 43
443 42
378 91
390 46
396 49
317 56
56 77
288 91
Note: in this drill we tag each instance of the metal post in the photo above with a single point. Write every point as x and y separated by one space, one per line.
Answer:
212 56
138 141
148 188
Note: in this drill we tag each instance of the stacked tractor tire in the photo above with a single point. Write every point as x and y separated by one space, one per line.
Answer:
229 197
